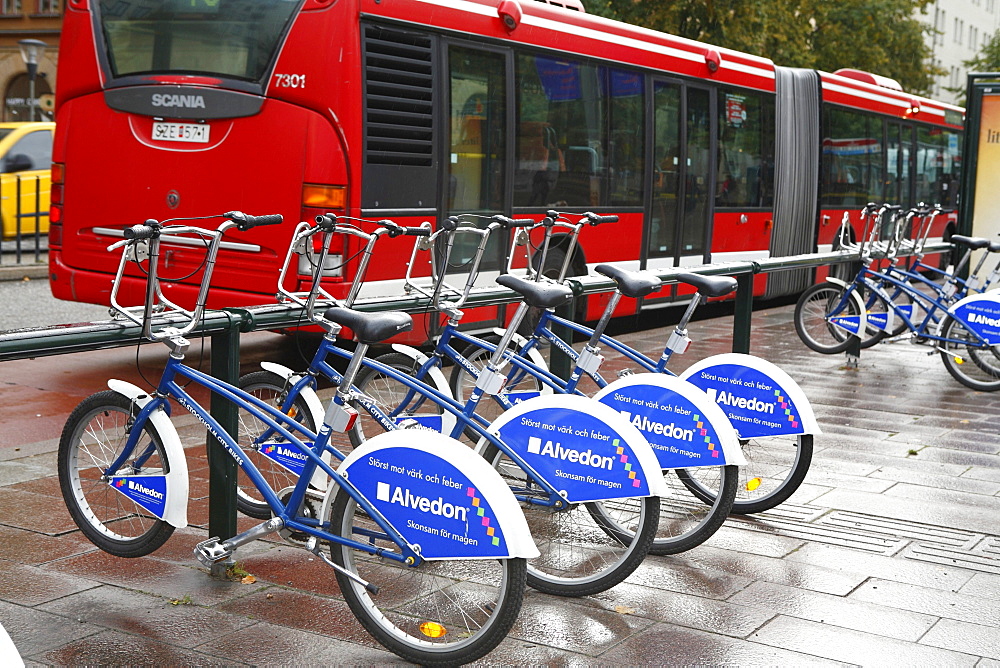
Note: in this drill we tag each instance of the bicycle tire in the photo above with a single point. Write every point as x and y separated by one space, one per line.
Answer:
272 389
582 553
469 604
388 393
812 314
773 472
960 344
91 441
685 522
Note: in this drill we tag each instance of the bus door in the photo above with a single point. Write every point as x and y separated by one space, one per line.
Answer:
476 172
899 164
680 206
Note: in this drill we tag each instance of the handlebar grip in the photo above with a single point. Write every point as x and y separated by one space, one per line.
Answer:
245 221
594 219
509 223
326 221
148 230
417 231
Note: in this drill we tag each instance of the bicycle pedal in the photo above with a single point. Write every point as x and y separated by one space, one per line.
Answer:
625 372
211 551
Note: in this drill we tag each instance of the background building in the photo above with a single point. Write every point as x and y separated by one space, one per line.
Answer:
40 22
962 27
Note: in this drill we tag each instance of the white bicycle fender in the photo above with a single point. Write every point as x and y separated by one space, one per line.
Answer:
981 314
315 406
758 398
683 425
581 447
439 495
534 356
851 324
175 493
437 379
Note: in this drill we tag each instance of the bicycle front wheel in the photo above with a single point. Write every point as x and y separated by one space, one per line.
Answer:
92 440
272 389
813 313
445 612
775 468
586 548
389 395
970 362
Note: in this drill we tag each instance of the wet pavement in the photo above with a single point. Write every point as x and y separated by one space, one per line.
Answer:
889 554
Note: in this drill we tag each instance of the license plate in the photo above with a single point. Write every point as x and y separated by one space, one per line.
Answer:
187 132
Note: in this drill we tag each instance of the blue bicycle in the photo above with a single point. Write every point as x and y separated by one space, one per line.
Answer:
591 531
965 332
777 452
426 540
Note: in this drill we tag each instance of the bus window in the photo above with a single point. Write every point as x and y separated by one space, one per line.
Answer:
937 166
899 165
478 119
851 158
579 134
746 149
236 38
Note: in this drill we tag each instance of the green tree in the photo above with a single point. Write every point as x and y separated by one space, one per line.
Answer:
881 36
987 60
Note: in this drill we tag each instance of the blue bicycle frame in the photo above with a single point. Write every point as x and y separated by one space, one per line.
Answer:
312 448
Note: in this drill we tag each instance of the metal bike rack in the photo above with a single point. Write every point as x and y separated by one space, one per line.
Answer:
225 326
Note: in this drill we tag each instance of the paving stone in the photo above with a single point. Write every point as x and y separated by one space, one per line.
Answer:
965 637
956 516
153 576
887 568
29 547
835 611
669 574
37 512
299 610
35 631
31 586
267 644
565 624
947 604
922 478
983 585
170 621
663 645
112 648
735 536
769 569
681 609
839 644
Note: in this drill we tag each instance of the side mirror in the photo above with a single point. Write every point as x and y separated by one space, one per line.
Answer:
18 162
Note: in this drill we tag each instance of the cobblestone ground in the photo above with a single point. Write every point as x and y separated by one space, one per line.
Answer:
889 553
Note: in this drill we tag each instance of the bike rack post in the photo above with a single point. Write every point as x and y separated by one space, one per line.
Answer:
743 312
222 467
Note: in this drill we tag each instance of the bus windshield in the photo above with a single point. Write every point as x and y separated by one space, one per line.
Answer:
228 38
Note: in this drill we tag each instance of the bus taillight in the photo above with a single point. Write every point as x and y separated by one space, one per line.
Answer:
316 196
56 204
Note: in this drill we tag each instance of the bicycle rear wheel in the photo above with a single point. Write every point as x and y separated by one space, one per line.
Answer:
272 389
462 383
586 548
969 362
445 612
93 438
775 468
813 313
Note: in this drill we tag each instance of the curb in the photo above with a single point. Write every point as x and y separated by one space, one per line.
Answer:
20 272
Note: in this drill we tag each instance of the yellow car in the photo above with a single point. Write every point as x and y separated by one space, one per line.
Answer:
25 161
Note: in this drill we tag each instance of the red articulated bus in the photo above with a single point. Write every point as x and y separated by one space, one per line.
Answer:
415 110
